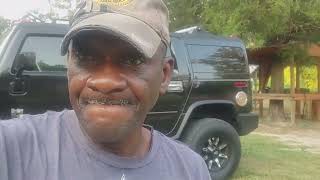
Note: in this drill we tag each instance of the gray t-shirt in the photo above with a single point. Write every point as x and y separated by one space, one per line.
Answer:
51 146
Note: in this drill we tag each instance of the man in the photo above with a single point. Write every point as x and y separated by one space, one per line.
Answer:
116 71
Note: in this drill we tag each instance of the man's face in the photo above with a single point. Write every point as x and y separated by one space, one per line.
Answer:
112 87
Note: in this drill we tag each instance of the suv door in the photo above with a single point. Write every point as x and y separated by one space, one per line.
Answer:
44 87
165 115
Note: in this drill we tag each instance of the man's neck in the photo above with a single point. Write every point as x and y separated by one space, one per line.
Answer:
137 144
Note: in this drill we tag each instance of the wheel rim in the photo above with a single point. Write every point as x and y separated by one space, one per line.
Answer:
216 153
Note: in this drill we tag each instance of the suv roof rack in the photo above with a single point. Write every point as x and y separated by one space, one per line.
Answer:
189 30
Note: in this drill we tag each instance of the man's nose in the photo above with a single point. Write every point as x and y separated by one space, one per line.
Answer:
107 79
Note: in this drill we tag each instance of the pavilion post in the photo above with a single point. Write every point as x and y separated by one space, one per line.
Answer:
292 93
298 102
318 73
260 90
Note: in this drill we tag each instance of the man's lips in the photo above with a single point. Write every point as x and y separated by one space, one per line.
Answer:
119 102
106 102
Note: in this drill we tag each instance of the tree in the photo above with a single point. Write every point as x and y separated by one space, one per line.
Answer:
62 9
59 10
184 13
262 22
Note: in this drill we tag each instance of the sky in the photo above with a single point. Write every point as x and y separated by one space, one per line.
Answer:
15 9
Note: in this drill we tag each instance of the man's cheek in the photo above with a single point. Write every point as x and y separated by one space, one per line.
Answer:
75 73
76 83
150 91
74 90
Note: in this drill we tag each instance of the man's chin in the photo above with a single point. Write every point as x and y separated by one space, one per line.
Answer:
108 114
108 124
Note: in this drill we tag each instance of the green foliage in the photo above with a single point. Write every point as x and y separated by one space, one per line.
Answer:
63 9
297 52
184 13
59 10
286 74
261 22
308 78
257 22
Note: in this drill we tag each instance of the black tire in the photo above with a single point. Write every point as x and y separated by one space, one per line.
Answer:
197 137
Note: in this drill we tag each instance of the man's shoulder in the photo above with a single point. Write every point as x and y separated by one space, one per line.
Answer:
30 125
33 119
180 155
176 147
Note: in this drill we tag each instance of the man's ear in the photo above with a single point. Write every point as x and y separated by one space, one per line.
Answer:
167 69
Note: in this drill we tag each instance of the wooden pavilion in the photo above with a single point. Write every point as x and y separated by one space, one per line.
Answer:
265 58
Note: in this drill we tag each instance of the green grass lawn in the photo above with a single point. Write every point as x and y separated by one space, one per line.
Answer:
266 158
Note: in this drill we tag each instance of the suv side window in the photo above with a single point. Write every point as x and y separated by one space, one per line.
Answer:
217 59
46 50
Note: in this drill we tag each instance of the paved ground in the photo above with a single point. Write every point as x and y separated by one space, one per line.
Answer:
306 137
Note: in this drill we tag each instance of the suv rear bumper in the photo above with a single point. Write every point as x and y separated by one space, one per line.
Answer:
247 122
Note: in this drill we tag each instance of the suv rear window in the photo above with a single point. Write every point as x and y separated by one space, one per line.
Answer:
217 59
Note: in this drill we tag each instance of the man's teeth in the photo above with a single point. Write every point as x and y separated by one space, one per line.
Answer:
120 102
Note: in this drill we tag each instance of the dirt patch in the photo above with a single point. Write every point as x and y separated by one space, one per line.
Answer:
305 138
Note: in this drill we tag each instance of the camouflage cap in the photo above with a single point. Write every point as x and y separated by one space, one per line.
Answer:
142 23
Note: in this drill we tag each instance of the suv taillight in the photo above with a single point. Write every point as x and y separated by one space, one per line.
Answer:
240 84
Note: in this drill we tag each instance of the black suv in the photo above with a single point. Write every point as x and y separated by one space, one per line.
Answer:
207 106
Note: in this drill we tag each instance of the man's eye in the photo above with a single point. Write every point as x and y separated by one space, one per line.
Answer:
133 61
85 61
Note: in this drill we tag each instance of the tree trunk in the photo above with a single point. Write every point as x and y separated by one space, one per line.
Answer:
276 106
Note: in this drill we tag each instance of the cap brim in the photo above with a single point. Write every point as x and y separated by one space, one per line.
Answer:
128 28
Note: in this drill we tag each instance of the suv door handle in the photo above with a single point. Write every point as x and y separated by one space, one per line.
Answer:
175 86
18 87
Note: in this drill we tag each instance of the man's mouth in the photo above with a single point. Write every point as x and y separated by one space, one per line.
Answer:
120 102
